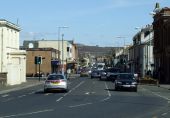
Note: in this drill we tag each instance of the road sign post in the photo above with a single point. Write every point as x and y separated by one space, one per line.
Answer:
38 61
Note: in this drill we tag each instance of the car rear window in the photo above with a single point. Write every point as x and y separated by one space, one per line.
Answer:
55 77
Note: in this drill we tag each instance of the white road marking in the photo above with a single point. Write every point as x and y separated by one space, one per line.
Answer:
31 93
78 85
26 114
160 96
105 99
79 105
21 96
109 94
6 95
59 99
87 93
70 91
74 88
9 99
67 93
164 114
47 94
156 93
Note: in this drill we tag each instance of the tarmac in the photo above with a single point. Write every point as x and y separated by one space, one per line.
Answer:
34 82
29 83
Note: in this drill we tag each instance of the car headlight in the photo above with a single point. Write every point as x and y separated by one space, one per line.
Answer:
119 82
103 73
108 74
134 83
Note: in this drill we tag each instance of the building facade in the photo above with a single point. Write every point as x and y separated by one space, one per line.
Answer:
67 49
161 26
141 58
49 61
12 60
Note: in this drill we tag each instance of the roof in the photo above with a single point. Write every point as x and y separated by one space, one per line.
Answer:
6 23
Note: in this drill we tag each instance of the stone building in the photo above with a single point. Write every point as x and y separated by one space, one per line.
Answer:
161 27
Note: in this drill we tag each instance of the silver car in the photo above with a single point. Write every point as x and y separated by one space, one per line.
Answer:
56 82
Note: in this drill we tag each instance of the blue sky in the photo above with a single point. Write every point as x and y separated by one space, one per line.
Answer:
90 22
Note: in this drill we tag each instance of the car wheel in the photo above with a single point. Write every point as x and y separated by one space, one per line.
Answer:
66 90
116 89
45 90
135 90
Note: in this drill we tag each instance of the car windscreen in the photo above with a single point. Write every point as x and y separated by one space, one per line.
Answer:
113 70
100 66
126 76
55 77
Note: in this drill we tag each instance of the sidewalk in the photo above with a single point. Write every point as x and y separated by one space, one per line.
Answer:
27 84
166 86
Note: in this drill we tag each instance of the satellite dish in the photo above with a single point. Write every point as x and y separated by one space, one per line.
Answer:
30 45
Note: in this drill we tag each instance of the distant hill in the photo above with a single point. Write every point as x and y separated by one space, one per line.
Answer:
95 50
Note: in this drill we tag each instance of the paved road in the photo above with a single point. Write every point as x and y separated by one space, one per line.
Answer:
87 98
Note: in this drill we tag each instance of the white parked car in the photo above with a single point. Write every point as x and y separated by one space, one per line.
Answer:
56 82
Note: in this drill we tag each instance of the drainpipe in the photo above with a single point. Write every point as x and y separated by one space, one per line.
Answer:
1 49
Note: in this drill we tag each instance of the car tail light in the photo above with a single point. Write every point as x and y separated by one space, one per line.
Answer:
47 81
62 80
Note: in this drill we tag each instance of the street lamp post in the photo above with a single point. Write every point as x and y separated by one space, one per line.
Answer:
62 53
59 29
123 37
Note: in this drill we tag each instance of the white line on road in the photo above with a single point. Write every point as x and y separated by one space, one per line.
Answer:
78 85
105 99
47 94
87 93
70 91
26 114
59 99
9 99
74 88
6 95
164 114
67 93
79 105
160 96
109 94
31 93
21 96
156 93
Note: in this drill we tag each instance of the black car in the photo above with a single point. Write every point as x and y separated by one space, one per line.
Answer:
126 81
110 74
95 74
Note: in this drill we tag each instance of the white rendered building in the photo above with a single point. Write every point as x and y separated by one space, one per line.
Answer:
12 60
